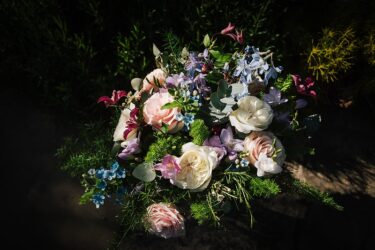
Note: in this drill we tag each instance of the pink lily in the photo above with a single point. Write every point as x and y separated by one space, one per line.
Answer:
131 124
110 101
228 29
304 87
239 37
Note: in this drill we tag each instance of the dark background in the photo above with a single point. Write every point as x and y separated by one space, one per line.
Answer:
57 57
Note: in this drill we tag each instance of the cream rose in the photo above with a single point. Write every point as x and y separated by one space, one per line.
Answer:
252 114
150 80
196 165
118 135
156 117
265 152
164 221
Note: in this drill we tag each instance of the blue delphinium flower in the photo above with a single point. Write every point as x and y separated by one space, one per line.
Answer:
98 199
244 163
120 173
100 174
101 185
188 119
109 175
115 166
179 117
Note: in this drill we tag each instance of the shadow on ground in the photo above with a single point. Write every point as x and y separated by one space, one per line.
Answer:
42 211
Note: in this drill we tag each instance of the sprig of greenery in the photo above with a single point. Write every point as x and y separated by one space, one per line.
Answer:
164 144
199 131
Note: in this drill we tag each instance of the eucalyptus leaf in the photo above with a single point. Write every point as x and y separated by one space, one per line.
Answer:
144 172
155 50
222 89
116 148
136 83
215 101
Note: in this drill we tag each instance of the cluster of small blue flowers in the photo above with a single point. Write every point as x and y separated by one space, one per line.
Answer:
103 175
188 119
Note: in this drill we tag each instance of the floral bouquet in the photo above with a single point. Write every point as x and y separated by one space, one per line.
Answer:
203 134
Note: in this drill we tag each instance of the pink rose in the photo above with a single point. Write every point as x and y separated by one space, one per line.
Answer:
156 117
265 152
164 221
154 80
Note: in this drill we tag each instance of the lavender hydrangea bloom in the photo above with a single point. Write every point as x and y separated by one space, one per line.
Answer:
274 97
131 148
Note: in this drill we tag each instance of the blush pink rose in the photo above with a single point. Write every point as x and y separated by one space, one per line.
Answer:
164 221
154 80
156 117
261 142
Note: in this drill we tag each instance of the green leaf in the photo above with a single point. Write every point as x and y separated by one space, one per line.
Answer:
220 58
144 172
215 100
206 41
155 50
172 105
284 84
214 77
86 197
222 90
116 148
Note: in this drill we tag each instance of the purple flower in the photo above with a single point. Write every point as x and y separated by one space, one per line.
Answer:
200 85
232 145
300 103
225 144
282 118
216 145
169 167
175 80
132 147
274 97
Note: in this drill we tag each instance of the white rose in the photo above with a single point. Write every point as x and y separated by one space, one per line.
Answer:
118 135
265 164
196 163
252 114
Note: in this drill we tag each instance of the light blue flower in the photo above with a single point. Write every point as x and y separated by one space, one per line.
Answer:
188 118
179 117
109 175
101 185
115 166
244 163
100 174
121 173
98 199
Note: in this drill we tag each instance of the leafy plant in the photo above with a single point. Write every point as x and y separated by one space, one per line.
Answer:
332 54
